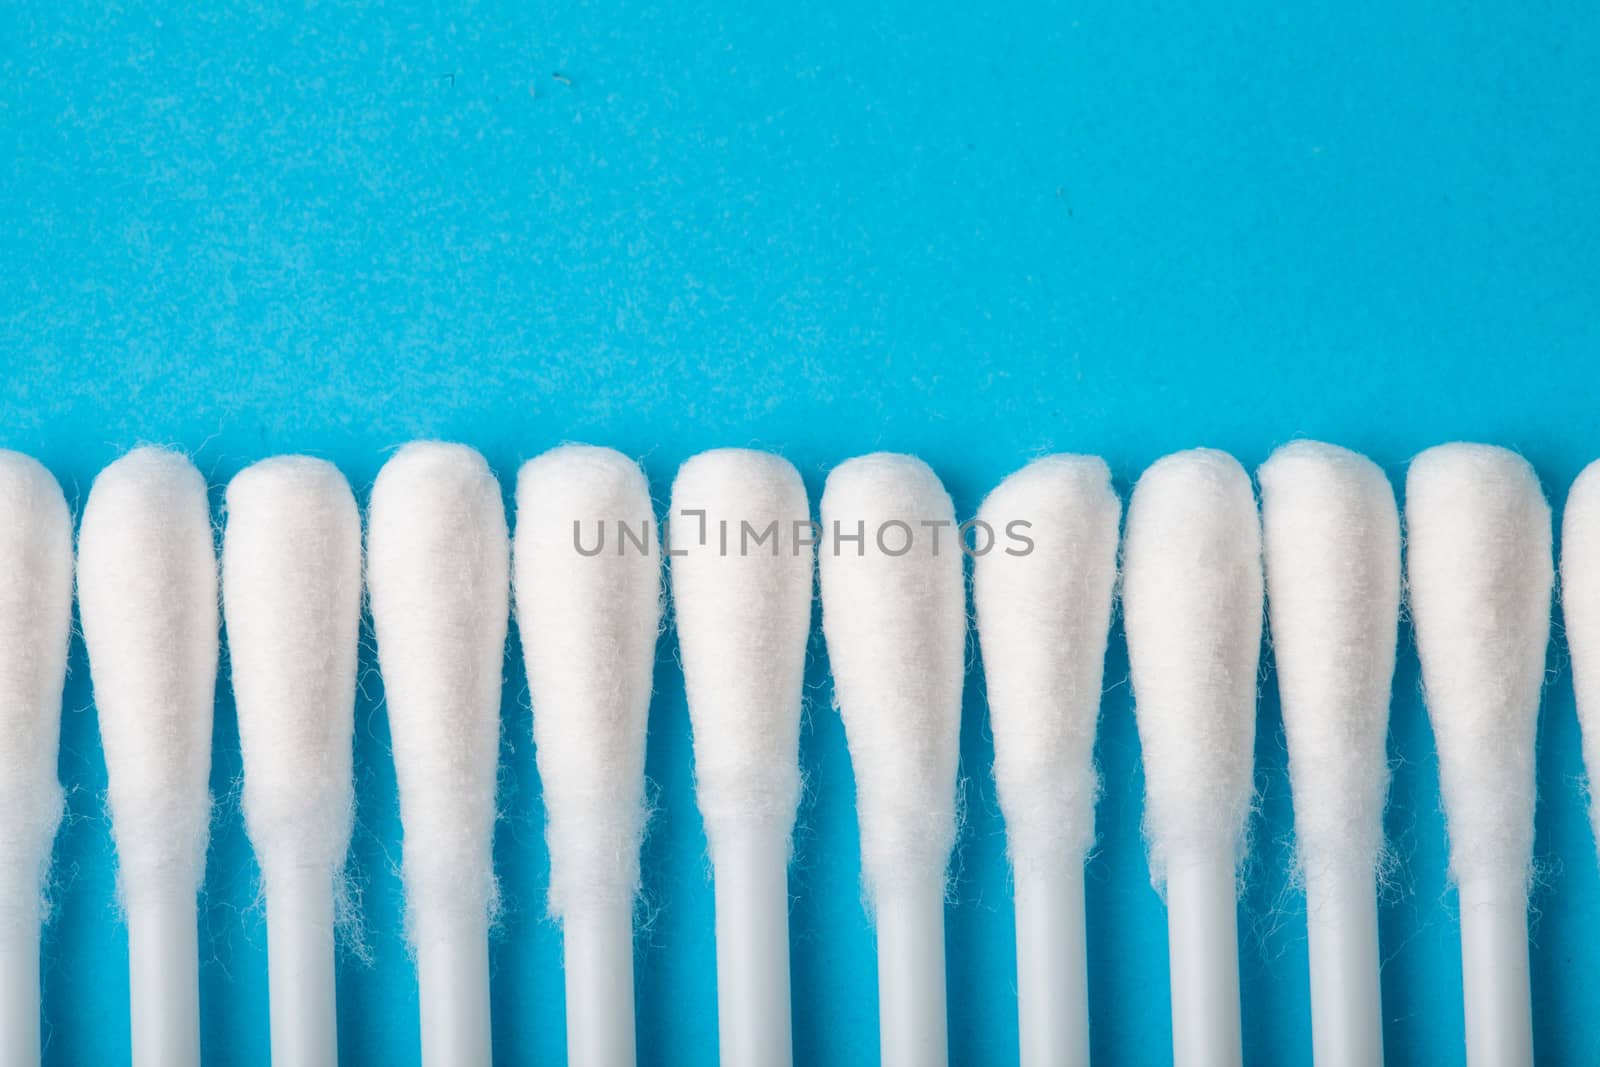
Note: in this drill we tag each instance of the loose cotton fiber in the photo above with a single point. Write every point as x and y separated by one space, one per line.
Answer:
1580 604
743 611
894 616
1331 533
35 619
291 584
589 625
438 576
1192 606
1480 573
147 598
1043 619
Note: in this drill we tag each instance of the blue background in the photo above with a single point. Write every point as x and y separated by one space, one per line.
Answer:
822 229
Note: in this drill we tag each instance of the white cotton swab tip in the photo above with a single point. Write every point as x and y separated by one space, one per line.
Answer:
147 598
742 565
1192 607
894 616
35 620
1479 572
1044 613
1331 533
1580 606
438 578
291 585
588 587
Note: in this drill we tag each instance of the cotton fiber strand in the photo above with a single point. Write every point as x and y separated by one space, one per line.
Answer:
1192 608
1480 573
895 626
438 558
291 585
1043 621
589 625
1331 532
743 613
35 620
147 599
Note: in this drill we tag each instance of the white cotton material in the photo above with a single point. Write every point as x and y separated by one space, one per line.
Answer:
35 621
743 612
1580 605
438 574
291 598
147 599
1479 571
894 618
589 625
1331 536
1192 607
1044 615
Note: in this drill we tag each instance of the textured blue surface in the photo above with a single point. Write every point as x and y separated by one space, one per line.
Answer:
975 235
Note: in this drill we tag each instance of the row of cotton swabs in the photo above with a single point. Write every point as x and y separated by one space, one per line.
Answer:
1196 559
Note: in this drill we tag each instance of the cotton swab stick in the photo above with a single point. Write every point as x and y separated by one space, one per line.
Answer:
1480 574
589 622
291 597
1043 618
743 609
147 599
1580 605
35 620
1192 606
894 617
438 560
1331 532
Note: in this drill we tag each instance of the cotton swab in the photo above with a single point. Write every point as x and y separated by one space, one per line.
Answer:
1043 618
1331 534
1480 574
1192 606
1580 605
742 561
589 622
894 617
35 620
147 599
438 577
291 596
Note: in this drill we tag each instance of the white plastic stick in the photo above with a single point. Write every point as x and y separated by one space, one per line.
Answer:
1494 972
1043 592
438 574
893 613
453 989
1203 959
1052 969
1342 934
35 615
1192 603
1480 576
19 997
163 977
912 1014
291 584
597 944
300 967
589 622
147 596
1331 534
742 566
752 903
